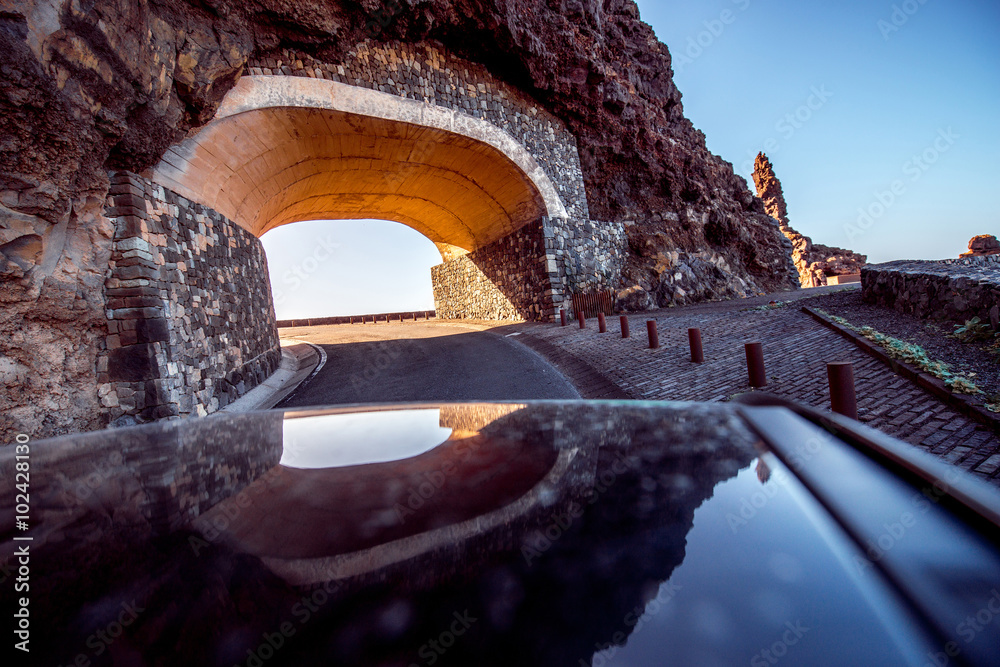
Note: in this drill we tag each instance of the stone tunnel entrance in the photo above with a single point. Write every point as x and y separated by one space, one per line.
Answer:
287 149
191 316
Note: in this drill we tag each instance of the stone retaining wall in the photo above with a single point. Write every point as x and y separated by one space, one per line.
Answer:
510 279
190 320
952 289
590 255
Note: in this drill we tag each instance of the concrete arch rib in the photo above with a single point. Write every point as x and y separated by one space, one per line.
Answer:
259 92
279 145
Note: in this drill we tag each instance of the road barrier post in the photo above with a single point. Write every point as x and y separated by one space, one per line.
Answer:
843 400
755 364
694 340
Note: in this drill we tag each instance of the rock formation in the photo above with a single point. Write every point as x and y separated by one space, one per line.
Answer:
814 261
90 87
982 245
769 189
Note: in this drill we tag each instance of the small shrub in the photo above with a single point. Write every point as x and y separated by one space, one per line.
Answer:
962 385
768 306
973 330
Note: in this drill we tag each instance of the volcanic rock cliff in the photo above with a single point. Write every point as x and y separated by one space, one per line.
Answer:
90 87
815 262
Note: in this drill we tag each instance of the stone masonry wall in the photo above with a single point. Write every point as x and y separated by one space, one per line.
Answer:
951 289
509 279
532 273
588 255
190 320
425 73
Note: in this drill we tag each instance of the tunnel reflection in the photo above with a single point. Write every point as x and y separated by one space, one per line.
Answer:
546 535
307 513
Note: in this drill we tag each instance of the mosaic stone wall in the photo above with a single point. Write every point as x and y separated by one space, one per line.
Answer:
509 279
532 273
951 289
190 319
590 254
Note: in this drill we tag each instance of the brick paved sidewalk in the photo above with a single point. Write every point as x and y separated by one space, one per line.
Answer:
796 350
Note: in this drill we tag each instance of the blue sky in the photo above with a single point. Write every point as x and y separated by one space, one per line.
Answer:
321 268
882 120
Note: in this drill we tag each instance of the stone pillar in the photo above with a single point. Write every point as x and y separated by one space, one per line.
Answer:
587 255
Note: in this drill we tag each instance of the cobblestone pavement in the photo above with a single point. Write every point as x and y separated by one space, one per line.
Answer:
796 350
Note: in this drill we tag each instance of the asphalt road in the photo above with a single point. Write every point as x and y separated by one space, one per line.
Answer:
423 361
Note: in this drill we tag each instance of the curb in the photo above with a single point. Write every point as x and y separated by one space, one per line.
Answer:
321 353
589 382
300 362
962 403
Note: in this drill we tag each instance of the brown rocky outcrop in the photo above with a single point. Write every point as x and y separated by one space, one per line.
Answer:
769 189
982 245
88 87
814 262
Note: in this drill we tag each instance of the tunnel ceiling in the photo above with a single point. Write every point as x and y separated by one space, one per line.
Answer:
268 167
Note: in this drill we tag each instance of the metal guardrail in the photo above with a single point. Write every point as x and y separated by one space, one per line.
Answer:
379 318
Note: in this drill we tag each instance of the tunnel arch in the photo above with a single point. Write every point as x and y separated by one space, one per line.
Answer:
286 149
477 167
